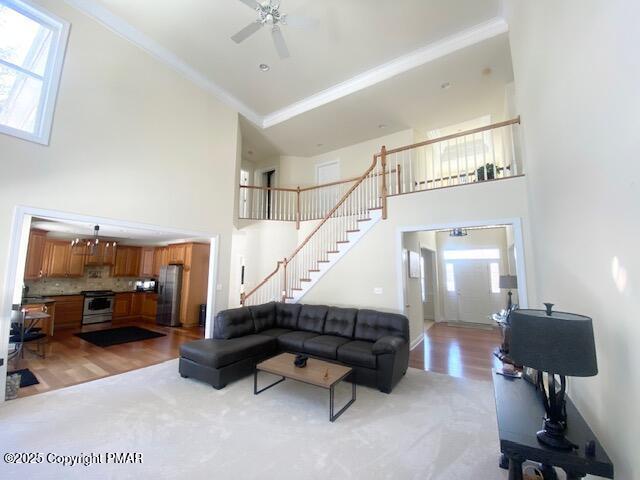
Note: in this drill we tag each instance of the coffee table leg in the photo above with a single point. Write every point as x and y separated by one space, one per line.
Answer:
333 417
255 383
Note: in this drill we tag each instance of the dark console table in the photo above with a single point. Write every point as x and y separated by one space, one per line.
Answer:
520 412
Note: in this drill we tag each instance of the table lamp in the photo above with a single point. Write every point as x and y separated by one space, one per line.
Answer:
509 282
559 344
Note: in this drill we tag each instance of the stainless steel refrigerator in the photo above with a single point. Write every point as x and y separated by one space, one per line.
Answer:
169 288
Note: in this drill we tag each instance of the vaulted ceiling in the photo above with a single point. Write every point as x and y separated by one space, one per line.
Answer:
354 47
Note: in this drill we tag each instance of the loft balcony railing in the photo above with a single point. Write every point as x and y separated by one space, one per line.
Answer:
478 155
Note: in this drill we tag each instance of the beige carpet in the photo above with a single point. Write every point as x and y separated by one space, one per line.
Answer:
431 427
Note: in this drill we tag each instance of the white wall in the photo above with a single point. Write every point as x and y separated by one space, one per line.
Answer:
577 73
132 140
412 286
375 260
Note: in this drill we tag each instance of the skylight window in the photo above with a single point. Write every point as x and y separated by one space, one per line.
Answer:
32 45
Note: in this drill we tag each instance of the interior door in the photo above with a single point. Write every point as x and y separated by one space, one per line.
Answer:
428 283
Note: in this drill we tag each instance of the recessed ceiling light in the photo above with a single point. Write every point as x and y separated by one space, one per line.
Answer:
319 144
446 86
264 67
487 71
250 152
382 125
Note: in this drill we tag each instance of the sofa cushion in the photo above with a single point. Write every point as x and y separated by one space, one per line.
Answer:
372 325
233 323
357 352
312 318
325 346
340 322
264 316
217 353
294 341
287 315
275 332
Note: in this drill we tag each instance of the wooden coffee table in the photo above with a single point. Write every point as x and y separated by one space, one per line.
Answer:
317 372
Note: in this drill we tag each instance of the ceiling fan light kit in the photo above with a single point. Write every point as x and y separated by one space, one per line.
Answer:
269 14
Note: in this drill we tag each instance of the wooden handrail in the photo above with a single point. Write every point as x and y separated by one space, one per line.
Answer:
255 187
251 292
333 210
453 135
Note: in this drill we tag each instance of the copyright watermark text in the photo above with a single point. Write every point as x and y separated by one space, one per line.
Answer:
82 459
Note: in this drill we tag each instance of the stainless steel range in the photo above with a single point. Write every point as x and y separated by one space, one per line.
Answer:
98 306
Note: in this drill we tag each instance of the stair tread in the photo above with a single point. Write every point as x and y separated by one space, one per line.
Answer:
353 231
342 241
364 220
305 279
323 261
333 251
314 270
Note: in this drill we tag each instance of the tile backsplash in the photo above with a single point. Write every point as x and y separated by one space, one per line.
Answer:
95 278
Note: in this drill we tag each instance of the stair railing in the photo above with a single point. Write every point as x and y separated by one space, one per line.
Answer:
325 239
477 155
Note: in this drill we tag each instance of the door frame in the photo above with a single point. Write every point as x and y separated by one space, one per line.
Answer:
433 281
521 269
18 244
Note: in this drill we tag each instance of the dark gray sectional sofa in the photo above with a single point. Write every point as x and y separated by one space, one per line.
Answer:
375 344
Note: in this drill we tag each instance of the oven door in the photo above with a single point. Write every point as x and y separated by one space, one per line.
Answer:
97 305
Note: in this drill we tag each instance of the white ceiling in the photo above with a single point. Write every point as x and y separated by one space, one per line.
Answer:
413 99
69 229
351 39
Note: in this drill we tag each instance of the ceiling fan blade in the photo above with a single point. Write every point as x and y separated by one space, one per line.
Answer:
297 21
281 45
246 32
253 4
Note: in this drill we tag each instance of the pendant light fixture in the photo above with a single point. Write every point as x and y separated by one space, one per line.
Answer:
93 245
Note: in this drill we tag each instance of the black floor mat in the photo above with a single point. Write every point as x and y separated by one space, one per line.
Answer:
116 336
27 378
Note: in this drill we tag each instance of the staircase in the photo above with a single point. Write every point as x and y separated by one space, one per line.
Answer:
478 155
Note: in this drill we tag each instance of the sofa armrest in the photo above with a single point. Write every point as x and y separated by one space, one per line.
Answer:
387 344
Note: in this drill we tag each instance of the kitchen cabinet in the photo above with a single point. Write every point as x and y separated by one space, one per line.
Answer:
177 253
68 311
122 305
35 254
149 307
137 300
195 279
147 257
127 262
63 260
102 255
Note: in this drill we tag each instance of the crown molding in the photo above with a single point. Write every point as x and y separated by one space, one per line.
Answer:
380 73
385 71
128 32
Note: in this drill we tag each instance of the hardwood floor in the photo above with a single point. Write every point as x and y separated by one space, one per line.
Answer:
71 360
458 351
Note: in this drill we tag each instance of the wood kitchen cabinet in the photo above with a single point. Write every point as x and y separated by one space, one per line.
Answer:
147 258
149 307
195 278
160 259
101 255
63 260
35 254
122 305
177 253
68 311
127 262
137 300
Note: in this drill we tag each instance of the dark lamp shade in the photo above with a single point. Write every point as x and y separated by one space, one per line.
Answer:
508 281
562 343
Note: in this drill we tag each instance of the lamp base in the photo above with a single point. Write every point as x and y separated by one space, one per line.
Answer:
553 436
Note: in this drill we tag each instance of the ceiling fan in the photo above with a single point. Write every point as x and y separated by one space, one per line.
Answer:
269 14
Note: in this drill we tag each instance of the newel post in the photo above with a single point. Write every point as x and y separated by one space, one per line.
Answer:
298 208
383 162
284 282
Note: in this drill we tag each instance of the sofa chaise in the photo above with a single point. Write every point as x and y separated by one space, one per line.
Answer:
375 344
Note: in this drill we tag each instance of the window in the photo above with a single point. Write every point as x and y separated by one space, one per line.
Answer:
474 254
494 269
451 282
32 45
